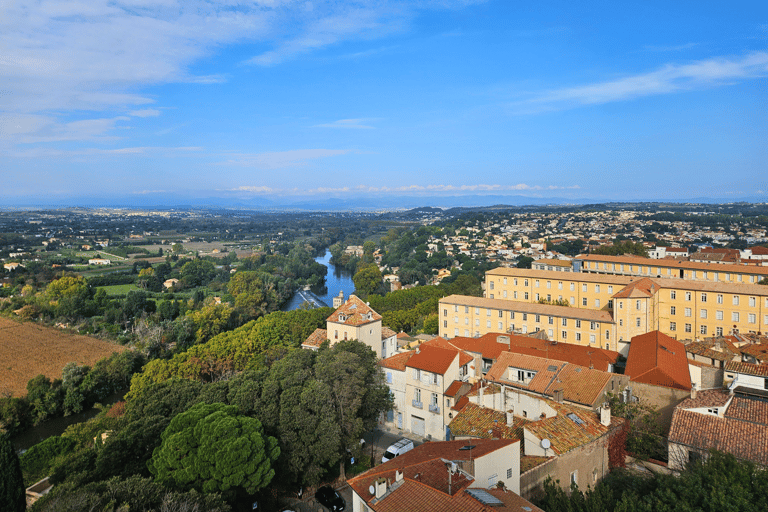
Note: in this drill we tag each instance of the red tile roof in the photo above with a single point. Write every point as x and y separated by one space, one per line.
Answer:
485 423
579 384
744 439
643 288
397 361
354 312
424 486
758 370
432 359
754 411
655 358
453 388
317 338
707 398
564 433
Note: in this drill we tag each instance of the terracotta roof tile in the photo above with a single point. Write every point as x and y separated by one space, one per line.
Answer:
655 358
397 361
591 315
754 411
386 332
564 433
637 260
354 312
744 439
433 359
758 370
317 338
454 388
642 288
558 276
485 423
707 398
708 348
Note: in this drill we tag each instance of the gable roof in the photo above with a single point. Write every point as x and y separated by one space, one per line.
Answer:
482 422
397 361
354 312
655 358
432 359
756 370
565 433
579 384
643 288
317 338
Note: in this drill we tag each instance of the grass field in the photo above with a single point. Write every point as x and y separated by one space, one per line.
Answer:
28 349
119 289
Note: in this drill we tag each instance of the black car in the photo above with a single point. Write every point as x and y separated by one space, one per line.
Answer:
330 498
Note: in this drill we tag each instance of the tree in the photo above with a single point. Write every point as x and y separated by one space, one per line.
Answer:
367 280
524 262
12 493
211 447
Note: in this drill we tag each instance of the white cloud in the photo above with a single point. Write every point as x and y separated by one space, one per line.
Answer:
280 159
668 79
147 112
355 124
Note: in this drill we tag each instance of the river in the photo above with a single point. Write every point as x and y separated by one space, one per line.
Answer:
336 280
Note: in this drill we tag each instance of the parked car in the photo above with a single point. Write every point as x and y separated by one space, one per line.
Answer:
397 449
330 498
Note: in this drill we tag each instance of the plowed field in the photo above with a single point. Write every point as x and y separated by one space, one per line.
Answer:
28 349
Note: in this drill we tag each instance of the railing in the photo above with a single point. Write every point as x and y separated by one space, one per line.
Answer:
417 404
434 408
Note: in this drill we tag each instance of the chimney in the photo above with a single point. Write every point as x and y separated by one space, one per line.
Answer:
558 395
480 396
398 475
510 418
381 487
418 351
605 414
694 389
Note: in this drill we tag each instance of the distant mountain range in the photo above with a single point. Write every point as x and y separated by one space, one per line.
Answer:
351 203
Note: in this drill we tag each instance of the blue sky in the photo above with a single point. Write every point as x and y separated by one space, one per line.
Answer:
287 99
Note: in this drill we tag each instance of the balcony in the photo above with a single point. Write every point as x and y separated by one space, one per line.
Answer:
434 408
417 404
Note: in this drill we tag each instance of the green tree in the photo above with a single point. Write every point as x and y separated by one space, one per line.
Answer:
211 447
12 493
367 280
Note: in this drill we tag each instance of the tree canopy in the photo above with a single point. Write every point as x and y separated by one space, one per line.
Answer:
212 447
12 494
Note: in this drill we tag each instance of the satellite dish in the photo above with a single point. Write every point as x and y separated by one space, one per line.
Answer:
372 490
545 444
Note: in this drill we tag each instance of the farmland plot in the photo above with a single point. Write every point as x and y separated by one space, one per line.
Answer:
28 349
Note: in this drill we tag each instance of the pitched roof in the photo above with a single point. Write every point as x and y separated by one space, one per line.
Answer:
757 370
637 260
397 361
565 433
424 484
482 422
317 338
744 439
354 312
490 348
454 388
590 315
558 275
643 288
746 409
579 384
655 358
707 398
386 332
432 359
708 349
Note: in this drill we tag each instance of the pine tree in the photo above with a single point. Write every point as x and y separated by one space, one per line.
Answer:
12 492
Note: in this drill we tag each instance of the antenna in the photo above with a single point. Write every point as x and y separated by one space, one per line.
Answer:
546 444
372 490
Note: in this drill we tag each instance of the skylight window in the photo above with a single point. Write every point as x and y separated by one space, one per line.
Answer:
571 416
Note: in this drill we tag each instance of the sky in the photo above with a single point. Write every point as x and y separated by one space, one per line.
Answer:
281 100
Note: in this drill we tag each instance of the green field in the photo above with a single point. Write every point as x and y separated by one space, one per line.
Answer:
119 289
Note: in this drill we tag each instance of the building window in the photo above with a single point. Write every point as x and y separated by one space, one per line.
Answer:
487 312
583 287
501 314
688 296
491 285
551 320
597 288
637 322
703 329
565 334
672 310
637 305
687 311
575 477
703 313
526 295
597 303
718 331
514 295
501 326
538 318
417 394
445 324
688 328
578 324
549 333
610 289
488 324
718 315
752 302
578 336
607 334
591 338
477 322
672 326
536 283
735 300
621 322
752 318
549 285
735 316
565 322
537 297
584 301
703 297
593 325
525 316
504 294
509 473
445 312
719 298
673 294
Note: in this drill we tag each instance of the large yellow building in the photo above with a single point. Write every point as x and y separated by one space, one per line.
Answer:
681 269
616 308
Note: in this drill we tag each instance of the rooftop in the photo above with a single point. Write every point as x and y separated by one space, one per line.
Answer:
354 312
589 315
655 358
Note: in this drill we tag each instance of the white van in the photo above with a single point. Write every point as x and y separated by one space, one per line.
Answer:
402 446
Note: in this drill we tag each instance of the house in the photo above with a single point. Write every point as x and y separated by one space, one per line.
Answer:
10 267
170 283
394 368
99 261
747 375
428 375
557 380
658 370
481 475
736 423
355 320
